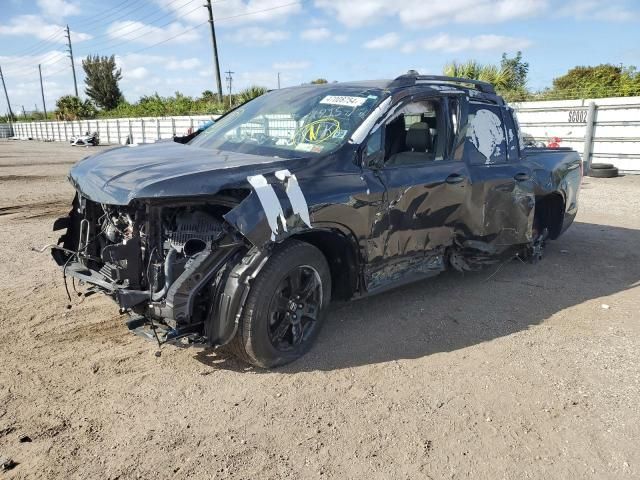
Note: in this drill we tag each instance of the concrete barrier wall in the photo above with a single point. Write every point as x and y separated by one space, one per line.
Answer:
615 128
112 130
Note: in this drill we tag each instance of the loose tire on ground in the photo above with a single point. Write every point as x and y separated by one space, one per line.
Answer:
253 342
601 166
604 172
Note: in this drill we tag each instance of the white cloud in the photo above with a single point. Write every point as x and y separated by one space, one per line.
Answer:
132 61
236 12
452 44
149 34
258 37
58 9
138 73
315 34
23 84
388 40
34 25
301 65
356 13
341 38
184 64
614 11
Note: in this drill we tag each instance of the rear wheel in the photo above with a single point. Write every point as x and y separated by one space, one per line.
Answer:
604 172
601 166
283 313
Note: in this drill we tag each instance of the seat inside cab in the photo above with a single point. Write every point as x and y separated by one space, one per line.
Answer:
412 134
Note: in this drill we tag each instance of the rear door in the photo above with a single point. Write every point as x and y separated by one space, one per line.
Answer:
502 200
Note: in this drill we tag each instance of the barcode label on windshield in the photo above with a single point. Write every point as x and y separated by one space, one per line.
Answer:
343 100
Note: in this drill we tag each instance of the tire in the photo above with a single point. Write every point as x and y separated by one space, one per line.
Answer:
601 166
604 172
264 337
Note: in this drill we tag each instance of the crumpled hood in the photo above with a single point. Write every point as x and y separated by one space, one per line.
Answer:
165 170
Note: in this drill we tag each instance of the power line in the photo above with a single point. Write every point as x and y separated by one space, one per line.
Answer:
109 45
28 70
144 25
102 16
29 50
218 20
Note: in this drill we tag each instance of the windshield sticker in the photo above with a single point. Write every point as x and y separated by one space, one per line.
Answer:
309 147
317 131
344 100
340 134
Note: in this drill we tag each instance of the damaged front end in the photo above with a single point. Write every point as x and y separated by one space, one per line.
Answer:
179 269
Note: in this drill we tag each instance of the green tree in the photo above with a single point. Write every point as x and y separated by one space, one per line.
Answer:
102 79
70 107
509 78
319 81
603 80
250 93
208 96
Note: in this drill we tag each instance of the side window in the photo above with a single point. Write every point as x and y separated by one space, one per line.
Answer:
414 135
512 135
374 142
486 138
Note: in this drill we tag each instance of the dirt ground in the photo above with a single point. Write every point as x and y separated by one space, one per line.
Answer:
526 371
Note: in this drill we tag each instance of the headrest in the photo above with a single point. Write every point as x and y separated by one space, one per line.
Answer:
419 137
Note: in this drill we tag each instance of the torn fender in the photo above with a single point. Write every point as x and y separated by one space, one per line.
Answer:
275 209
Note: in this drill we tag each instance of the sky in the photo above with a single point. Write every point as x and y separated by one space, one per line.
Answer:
165 45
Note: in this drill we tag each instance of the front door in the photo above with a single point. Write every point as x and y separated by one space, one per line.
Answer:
425 193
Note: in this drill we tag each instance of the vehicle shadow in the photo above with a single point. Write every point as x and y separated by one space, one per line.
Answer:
454 310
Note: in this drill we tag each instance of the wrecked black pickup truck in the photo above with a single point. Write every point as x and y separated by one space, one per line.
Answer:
306 195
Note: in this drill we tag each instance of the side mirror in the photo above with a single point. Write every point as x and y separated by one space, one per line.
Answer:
374 161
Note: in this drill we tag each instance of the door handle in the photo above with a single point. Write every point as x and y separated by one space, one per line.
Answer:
454 178
521 177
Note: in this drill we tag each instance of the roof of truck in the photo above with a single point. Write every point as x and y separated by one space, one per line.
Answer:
436 83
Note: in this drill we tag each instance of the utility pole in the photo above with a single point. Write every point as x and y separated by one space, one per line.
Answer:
73 66
229 83
6 95
278 80
24 114
44 105
215 50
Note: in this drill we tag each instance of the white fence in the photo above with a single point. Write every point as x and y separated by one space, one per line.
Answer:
610 134
112 130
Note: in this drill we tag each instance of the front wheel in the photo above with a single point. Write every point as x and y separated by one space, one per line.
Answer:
284 310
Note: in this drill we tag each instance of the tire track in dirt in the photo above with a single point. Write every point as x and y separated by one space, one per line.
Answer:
36 210
25 178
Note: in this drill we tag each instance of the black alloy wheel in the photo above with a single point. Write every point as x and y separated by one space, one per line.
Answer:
294 308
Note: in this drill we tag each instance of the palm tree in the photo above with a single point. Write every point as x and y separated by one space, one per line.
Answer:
250 93
501 78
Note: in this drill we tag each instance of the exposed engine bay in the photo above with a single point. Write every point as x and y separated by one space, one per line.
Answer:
154 261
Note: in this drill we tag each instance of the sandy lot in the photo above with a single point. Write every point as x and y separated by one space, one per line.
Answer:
520 373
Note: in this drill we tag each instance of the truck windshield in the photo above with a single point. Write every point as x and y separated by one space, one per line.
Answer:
295 122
